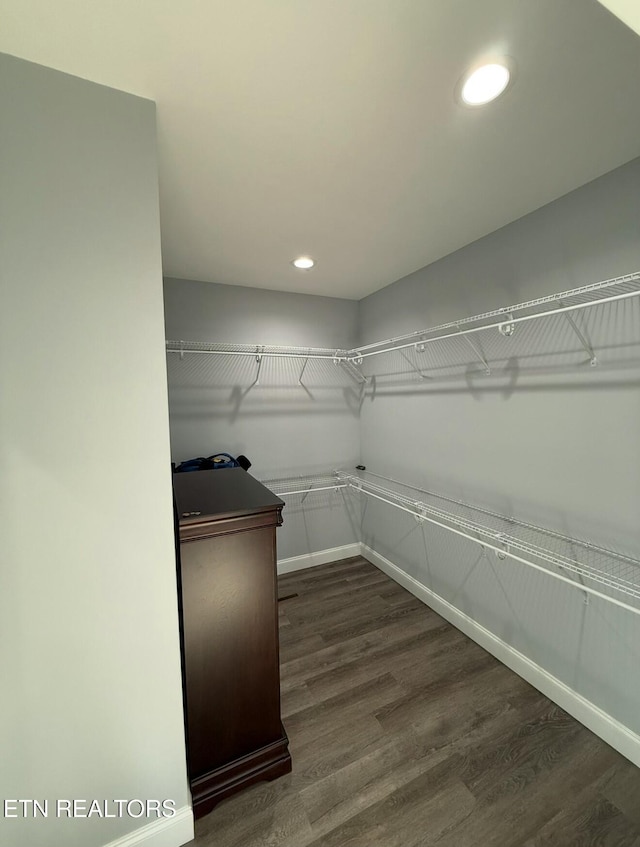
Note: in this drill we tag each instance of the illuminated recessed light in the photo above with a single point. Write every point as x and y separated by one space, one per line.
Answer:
303 263
484 84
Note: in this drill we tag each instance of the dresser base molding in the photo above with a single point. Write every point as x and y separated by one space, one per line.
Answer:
267 763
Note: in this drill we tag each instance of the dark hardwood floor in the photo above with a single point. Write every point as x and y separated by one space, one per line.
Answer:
404 733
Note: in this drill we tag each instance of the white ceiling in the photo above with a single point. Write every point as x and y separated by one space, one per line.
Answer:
330 128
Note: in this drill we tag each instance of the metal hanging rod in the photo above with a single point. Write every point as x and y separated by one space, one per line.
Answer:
266 351
523 542
505 318
311 490
607 569
304 485
565 539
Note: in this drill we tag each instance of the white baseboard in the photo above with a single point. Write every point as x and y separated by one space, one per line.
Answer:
322 557
616 734
163 832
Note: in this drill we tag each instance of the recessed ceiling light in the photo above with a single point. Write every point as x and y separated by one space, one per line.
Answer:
303 263
483 84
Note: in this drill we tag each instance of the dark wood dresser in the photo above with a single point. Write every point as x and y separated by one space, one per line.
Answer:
226 528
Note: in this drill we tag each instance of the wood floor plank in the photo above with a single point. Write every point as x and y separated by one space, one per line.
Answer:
330 574
588 822
339 744
360 614
266 814
404 733
388 659
359 701
301 647
295 699
415 812
528 795
304 613
303 597
357 788
357 624
299 668
520 754
382 760
445 699
621 786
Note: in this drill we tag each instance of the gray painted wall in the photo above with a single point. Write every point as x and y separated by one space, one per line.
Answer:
88 602
285 429
547 439
91 704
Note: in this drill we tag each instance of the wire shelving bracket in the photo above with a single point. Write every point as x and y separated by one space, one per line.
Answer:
591 569
265 350
507 319
305 485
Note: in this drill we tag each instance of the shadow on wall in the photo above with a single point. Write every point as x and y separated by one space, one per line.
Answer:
311 516
602 340
510 374
505 384
216 404
581 640
504 514
222 387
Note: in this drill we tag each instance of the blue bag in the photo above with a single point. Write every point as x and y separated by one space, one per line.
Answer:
217 461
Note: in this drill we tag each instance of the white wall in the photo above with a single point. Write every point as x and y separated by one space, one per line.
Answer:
553 441
91 703
627 10
284 428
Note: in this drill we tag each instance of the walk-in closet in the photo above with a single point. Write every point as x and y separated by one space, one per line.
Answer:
482 462
320 463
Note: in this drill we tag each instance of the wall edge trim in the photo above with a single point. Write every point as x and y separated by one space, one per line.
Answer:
606 727
321 557
164 832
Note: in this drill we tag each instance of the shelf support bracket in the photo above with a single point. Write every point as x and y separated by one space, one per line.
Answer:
259 352
502 542
593 359
413 367
300 382
508 328
477 351
351 370
182 351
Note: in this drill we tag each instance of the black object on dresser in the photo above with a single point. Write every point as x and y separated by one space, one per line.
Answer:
226 524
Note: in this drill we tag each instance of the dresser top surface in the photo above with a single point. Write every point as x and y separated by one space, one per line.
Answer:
220 493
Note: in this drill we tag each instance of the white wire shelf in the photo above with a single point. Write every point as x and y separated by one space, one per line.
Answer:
595 570
559 330
304 485
505 320
266 350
